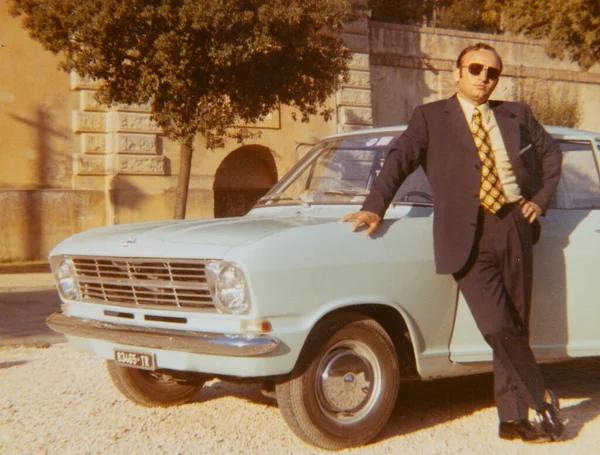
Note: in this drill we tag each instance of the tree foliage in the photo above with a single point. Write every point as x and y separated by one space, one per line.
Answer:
473 15
571 28
205 66
398 11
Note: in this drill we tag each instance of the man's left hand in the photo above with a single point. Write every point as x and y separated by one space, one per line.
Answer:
530 210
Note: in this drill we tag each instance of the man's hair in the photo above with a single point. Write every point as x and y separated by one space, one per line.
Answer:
477 47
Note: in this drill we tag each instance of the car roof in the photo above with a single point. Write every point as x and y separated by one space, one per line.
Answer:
559 132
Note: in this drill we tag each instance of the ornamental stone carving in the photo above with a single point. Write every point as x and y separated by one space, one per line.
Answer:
136 123
90 165
144 144
84 122
140 165
93 143
145 107
88 102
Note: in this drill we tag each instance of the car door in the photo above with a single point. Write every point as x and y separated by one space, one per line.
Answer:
565 316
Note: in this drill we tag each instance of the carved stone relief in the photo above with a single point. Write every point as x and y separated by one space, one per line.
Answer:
135 123
84 122
136 165
123 130
88 102
144 144
91 165
93 143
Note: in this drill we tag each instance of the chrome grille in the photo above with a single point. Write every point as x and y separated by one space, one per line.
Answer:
143 282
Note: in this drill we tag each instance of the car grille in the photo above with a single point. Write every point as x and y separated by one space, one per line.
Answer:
143 282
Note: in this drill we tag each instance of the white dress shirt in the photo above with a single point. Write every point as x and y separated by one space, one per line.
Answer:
510 188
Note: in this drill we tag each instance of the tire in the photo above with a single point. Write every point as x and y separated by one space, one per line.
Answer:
345 395
155 388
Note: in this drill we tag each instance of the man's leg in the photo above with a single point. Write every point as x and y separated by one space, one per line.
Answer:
497 287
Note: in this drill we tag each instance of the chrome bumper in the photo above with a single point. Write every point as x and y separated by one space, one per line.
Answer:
232 345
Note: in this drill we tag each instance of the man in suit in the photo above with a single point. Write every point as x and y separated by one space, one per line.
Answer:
493 170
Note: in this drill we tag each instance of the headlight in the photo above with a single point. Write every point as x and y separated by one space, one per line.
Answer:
67 283
228 287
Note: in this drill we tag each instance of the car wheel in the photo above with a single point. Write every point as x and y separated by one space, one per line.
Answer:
155 388
347 392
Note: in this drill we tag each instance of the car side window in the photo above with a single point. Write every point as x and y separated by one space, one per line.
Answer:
415 189
579 186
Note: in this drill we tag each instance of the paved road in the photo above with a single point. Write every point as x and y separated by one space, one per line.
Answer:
23 318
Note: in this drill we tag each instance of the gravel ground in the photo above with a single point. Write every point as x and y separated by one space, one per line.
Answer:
55 400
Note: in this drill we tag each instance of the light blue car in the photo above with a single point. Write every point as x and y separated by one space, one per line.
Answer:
331 322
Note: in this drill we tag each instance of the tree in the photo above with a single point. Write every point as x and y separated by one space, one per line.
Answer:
472 15
398 11
571 28
204 66
423 12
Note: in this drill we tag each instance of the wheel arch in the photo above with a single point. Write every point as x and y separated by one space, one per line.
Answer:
390 319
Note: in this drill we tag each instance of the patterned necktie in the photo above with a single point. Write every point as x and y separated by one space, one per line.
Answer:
490 193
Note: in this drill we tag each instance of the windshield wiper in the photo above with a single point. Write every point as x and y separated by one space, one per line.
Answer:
285 197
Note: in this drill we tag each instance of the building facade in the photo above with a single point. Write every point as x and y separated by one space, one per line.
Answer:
69 164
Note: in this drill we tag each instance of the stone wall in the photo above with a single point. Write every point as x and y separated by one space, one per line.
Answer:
34 221
412 65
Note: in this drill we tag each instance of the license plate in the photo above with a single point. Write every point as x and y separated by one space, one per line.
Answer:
135 360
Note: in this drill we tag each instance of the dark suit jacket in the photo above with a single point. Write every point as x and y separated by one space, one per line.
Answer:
439 139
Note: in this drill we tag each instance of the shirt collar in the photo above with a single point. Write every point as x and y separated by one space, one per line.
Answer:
468 109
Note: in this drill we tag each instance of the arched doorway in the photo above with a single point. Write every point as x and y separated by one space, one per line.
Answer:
243 177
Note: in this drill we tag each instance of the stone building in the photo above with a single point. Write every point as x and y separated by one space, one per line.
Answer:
68 164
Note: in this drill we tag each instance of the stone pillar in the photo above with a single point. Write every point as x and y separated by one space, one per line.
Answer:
353 100
122 140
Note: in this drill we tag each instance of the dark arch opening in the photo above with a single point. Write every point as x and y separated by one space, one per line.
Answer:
243 177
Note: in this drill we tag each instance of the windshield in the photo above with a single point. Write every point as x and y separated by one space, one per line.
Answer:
338 171
342 171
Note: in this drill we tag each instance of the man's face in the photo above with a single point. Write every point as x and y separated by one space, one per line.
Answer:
477 88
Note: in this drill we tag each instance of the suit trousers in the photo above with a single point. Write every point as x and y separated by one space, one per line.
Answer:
497 285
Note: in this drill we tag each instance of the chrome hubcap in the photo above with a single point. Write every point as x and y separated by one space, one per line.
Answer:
348 381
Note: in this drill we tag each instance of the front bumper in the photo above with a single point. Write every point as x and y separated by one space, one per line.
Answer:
218 344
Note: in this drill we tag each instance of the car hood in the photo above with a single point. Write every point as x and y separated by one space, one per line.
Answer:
186 238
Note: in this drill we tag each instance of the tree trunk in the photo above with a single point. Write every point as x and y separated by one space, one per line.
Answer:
183 182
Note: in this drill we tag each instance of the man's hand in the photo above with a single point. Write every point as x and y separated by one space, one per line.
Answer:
530 210
372 220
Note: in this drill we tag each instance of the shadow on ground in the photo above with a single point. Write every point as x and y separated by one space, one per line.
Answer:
23 318
424 405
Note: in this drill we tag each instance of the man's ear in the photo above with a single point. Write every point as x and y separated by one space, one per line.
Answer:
456 74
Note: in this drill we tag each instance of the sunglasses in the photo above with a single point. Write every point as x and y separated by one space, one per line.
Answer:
476 68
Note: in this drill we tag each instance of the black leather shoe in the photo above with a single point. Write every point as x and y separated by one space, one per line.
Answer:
550 397
524 430
549 418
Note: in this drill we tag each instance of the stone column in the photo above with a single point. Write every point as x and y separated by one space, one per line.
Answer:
353 100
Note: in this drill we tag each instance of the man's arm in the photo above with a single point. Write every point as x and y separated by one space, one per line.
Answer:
550 159
405 156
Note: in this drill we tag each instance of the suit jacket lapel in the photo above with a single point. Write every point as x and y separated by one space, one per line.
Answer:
459 125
